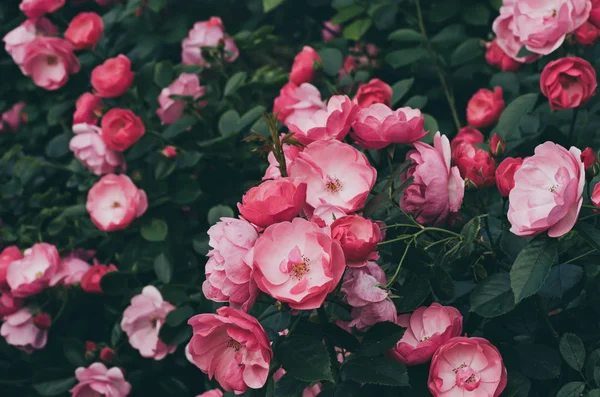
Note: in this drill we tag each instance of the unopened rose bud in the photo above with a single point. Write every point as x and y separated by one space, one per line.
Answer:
107 355
590 162
497 146
169 152
42 321
90 349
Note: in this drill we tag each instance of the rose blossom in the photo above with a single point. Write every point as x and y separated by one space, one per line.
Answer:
85 30
49 61
142 321
375 91
378 126
9 304
36 8
468 135
587 34
15 41
485 107
358 238
290 152
113 78
437 189
121 128
13 118
70 270
596 195
88 109
427 328
90 281
209 33
188 85
548 192
19 330
595 13
89 148
107 355
298 263
467 366
303 70
475 165
505 174
497 146
31 274
325 215
568 82
212 393
7 256
330 31
114 202
232 347
101 381
335 173
495 56
228 274
506 36
295 103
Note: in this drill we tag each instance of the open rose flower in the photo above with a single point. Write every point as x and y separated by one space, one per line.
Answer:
88 109
475 165
325 215
19 330
113 78
85 30
211 393
485 107
36 8
16 41
99 380
358 238
70 270
90 280
495 56
188 85
375 91
295 103
121 128
290 153
507 36
89 148
303 70
568 82
49 61
505 174
209 33
31 274
7 256
468 135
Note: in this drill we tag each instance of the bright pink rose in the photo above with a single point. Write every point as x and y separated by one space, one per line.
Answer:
188 85
13 118
595 13
290 152
9 304
70 270
324 125
107 355
548 192
335 173
590 162
85 30
89 148
325 215
495 56
97 380
375 91
467 367
232 347
20 331
209 33
497 146
121 128
505 174
169 151
309 391
114 202
17 39
485 107
49 61
358 238
7 256
468 135
228 273
568 82
296 103
303 70
88 109
90 281
211 393
113 78
36 8
506 35
476 165
31 274
378 126
437 189
587 34
427 328
596 195
298 263
330 31
142 321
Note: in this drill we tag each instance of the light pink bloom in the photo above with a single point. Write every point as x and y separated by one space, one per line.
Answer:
142 321
325 215
506 36
7 256
330 31
296 103
209 33
20 331
49 61
70 270
211 393
375 91
15 41
9 304
13 118
89 148
548 192
358 238
97 380
290 152
32 273
36 8
187 84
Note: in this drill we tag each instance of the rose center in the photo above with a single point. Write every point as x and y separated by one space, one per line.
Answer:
234 344
554 13
425 338
116 204
333 185
467 378
566 80
553 188
51 60
299 270
39 275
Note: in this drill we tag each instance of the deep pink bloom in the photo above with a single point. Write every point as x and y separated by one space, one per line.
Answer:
90 281
88 109
303 70
495 56
468 135
9 304
296 103
88 147
99 380
70 270
358 238
587 34
16 41
85 30
20 331
49 61
568 82
7 256
375 91
13 118
209 33
121 128
596 195
475 165
36 8
32 273
485 107
107 355
595 13
505 174
113 78
188 85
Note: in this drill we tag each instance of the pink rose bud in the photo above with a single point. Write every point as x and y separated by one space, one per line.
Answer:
15 41
49 61
298 263
13 118
239 363
475 165
330 31
325 215
358 238
169 152
36 8
88 147
335 173
107 355
85 30
7 256
113 78
188 85
121 128
590 162
297 102
290 152
555 177
375 91
437 189
495 56
20 331
378 126
468 135
209 33
42 321
9 304
587 34
596 195
88 109
90 281
142 321
485 107
467 366
213 393
595 13
90 349
568 82
505 174
70 271
114 202
31 274
427 329
303 70
97 380
497 146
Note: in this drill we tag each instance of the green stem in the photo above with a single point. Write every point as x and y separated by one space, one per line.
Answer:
572 128
544 312
277 147
330 349
581 256
393 279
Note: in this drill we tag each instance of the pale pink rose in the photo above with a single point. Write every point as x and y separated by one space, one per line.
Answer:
309 391
296 103
232 347
209 33
228 274
298 263
467 367
330 31
325 215
324 125
97 380
7 256
427 328
506 36
548 192
303 70
378 126
211 393
188 85
9 304
49 61
358 238
70 270
89 148
336 174
13 118
36 8
15 41
290 152
142 321
114 202
32 273
20 331
437 189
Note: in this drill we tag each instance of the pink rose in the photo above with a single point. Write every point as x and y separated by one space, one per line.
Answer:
378 126
49 61
121 128
9 304
485 107
188 85
467 366
107 355
142 321
36 8
476 165
375 91
506 35
303 70
232 347
88 109
595 13
325 215
495 56
70 271
335 173
437 189
298 263
295 103
169 151
114 202
31 274
211 393
13 118
99 380
85 30
113 78
228 273
89 148
548 192
427 328
20 331
468 135
505 174
15 41
596 195
358 238
7 256
90 281
497 146
587 34
290 152
209 33
330 31
568 82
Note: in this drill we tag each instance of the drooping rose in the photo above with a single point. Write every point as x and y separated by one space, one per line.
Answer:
303 70
7 256
70 270
13 118
15 41
468 135
505 174
485 107
88 147
36 8
49 61
20 331
121 128
9 304
358 238
330 31
495 56
325 215
209 33
568 82
99 380
497 146
475 165
290 152
375 91
188 85
88 109
90 281
113 78
31 274
85 30
297 102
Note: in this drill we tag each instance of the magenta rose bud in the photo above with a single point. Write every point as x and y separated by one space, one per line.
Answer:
295 103
590 162
88 109
298 263
209 33
330 31
467 366
548 192
88 147
358 238
497 146
16 41
9 304
107 355
325 215
113 78
70 270
505 174
36 8
187 85
568 82
232 347
485 107
31 274
7 256
42 320
90 281
99 380
49 61
85 30
303 68
375 91
476 165
468 135
169 152
290 152
20 331
495 56
121 128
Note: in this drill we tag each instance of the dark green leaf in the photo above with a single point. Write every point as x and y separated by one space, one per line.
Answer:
493 297
507 80
228 123
450 35
589 233
406 35
217 212
357 29
175 335
304 357
346 14
55 387
591 364
377 370
467 51
341 338
173 387
476 14
155 230
412 294
380 338
532 266
234 82
470 233
572 350
508 125
572 389
441 10
269 5
163 268
593 393
539 361
517 386
163 74
74 352
164 168
417 102
288 386
332 60
56 112
179 126
250 116
523 52
179 316
116 333
58 146
408 56
74 211
400 89
442 284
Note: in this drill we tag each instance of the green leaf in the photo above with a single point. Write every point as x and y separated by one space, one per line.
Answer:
155 230
179 316
417 102
250 116
380 338
163 268
269 5
400 89
175 335
561 279
539 361
510 119
163 74
408 56
412 294
476 14
234 83
589 233
304 357
431 126
467 51
228 123
341 338
74 352
507 80
592 364
58 146
164 168
377 370
346 14
56 112
55 387
573 351
470 233
524 52
571 389
74 210
532 266
593 393
156 5
332 60
406 35
173 387
288 386
115 283
442 10
357 29
179 126
517 386
450 35
217 212
493 297
442 284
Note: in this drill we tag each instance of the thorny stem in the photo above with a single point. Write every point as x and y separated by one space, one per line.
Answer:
330 349
393 279
277 147
581 256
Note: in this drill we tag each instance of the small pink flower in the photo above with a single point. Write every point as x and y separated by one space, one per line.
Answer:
497 146
89 148
142 321
485 107
13 118
475 165
49 61
209 33
85 30
36 8
303 70
113 78
290 153
88 109
296 103
188 85
330 31
9 304
568 82
99 380
7 256
91 279
358 238
16 40
121 128
375 91
468 135
20 331
169 152
70 271
107 355
325 215
31 274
